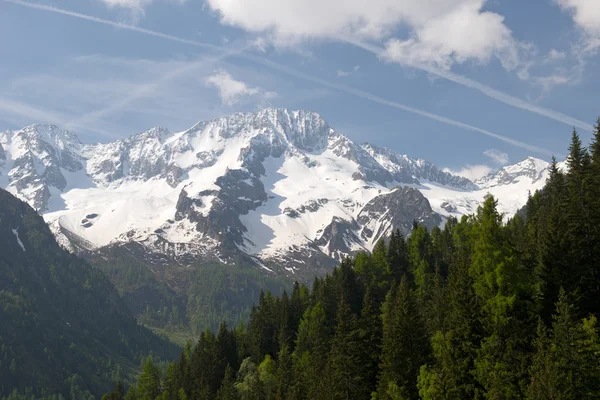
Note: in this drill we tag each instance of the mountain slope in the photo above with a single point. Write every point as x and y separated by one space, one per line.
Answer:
63 323
278 189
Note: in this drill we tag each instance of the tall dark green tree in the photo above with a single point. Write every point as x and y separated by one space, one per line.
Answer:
499 283
344 368
405 345
397 256
148 383
567 360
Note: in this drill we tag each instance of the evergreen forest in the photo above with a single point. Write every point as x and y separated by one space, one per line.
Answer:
487 307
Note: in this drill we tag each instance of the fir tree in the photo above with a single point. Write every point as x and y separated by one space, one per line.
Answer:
148 383
566 364
344 364
227 391
405 344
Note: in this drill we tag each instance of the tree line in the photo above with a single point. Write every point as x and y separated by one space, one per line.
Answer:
485 308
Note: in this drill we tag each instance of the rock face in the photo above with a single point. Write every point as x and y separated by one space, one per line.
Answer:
39 155
279 189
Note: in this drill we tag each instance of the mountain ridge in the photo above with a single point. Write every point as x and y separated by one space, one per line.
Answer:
280 189
67 330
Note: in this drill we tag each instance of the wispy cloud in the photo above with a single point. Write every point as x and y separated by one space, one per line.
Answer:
231 90
26 114
341 73
151 88
485 89
471 172
497 156
119 25
29 112
301 75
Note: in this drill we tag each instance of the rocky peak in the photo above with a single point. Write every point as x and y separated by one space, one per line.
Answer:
408 170
39 154
530 168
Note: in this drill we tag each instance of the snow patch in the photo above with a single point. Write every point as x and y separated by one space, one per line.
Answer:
16 233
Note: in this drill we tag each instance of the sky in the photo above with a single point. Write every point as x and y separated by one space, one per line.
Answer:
470 85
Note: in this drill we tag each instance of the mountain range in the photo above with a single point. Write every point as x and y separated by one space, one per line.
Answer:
278 189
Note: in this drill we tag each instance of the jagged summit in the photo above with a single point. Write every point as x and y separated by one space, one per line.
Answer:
280 189
532 169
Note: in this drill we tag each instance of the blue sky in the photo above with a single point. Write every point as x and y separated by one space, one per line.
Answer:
468 84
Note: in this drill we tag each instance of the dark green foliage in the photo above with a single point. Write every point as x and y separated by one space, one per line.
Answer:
405 344
63 328
566 364
448 314
184 301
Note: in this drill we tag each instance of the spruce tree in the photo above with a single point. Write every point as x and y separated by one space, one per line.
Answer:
398 256
450 375
344 371
498 282
227 391
148 382
370 336
405 346
566 364
579 231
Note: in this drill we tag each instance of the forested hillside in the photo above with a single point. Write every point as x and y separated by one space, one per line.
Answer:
64 331
484 308
182 301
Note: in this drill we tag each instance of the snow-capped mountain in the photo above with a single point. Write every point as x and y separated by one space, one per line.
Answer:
277 188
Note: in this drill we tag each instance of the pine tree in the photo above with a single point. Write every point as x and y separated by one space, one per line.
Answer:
579 231
344 364
225 355
117 393
449 376
499 282
592 189
398 256
310 355
284 371
567 361
227 390
420 255
554 268
131 393
148 382
370 335
405 346
267 376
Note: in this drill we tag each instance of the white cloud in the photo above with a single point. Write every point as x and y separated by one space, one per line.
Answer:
343 73
547 83
136 7
231 91
554 55
472 172
497 156
133 4
586 14
442 32
465 33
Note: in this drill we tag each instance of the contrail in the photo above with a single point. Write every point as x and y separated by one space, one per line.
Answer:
42 116
488 91
114 24
146 89
292 72
369 96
